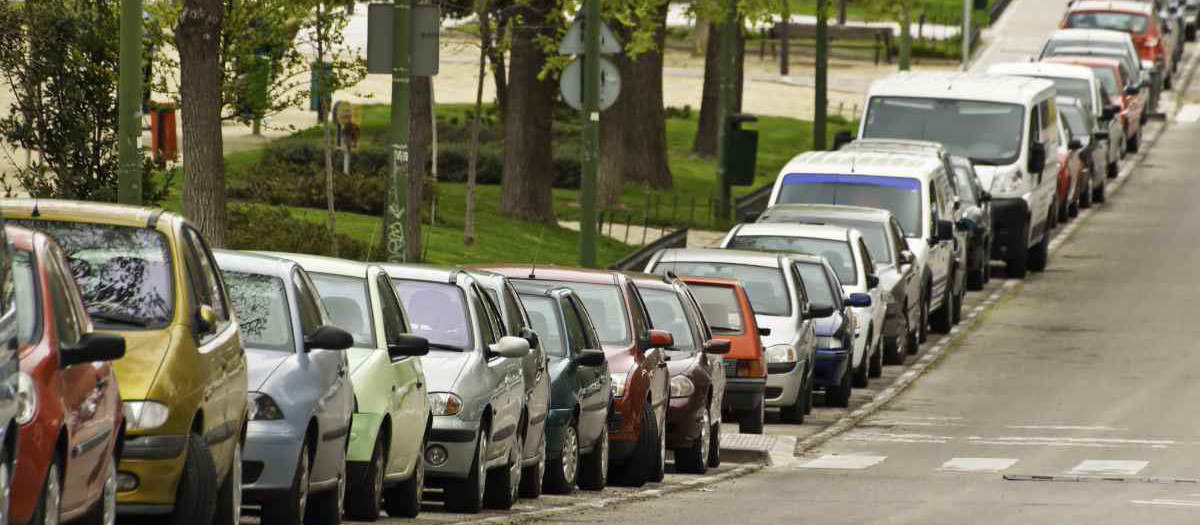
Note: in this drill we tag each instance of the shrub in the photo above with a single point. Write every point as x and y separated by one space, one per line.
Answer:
273 228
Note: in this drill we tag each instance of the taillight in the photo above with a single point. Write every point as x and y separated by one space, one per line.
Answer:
750 368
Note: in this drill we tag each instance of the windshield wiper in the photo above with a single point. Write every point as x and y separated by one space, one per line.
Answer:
118 317
723 329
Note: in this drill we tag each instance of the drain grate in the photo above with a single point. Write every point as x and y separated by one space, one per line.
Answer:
1068 478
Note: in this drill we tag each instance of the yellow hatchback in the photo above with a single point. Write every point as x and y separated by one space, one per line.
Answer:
149 276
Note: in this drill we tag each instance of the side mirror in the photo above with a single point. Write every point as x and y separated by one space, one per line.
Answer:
1075 144
328 338
528 334
821 312
872 282
1037 158
859 300
660 339
717 346
589 358
206 319
93 347
764 331
907 257
1101 135
945 231
410 346
510 346
842 138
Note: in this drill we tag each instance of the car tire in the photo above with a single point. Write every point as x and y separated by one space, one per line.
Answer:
403 500
504 483
751 421
465 496
563 473
196 496
1114 171
49 502
658 467
959 299
862 372
1190 33
635 471
327 507
1134 143
923 328
1039 255
876 366
229 495
914 339
1099 195
1073 207
794 413
365 494
289 507
1018 259
943 319
808 390
1085 196
895 352
839 396
714 448
593 466
104 512
533 475
694 459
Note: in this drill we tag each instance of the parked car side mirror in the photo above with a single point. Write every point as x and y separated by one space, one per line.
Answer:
660 339
907 257
821 312
589 358
872 282
206 319
528 334
1037 158
328 337
717 346
858 300
1075 144
408 346
764 331
510 346
945 230
93 347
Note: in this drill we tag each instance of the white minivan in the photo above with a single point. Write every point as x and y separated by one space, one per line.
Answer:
909 186
1007 126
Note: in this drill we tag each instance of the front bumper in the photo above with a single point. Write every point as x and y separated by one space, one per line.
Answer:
744 393
783 387
156 462
1010 222
269 458
685 420
624 426
459 438
831 367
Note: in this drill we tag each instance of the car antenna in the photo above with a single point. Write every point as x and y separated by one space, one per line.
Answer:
537 252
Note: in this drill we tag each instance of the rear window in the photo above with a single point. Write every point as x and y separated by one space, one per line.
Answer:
720 306
901 196
765 285
1110 20
838 253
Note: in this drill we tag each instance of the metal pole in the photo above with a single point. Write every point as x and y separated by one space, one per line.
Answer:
129 94
726 93
591 135
821 103
784 39
398 200
966 36
905 34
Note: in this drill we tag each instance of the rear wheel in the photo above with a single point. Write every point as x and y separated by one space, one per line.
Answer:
751 421
694 460
839 396
289 508
593 467
466 495
365 494
561 473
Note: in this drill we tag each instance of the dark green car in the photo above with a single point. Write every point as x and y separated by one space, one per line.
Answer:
580 394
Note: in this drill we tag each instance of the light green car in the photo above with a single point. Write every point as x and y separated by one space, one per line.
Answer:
391 415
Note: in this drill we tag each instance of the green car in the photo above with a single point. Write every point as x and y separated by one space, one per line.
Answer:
391 415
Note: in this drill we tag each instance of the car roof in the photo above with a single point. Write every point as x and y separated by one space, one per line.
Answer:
961 86
832 211
710 281
323 264
1043 70
807 231
254 263
651 281
1101 5
1085 60
895 146
1104 35
877 163
1064 100
88 212
554 273
718 255
422 272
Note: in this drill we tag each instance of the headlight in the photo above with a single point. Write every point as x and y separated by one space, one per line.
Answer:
145 415
618 383
26 398
682 387
1008 182
829 342
262 407
782 354
445 404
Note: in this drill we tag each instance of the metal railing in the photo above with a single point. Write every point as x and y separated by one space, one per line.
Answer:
638 259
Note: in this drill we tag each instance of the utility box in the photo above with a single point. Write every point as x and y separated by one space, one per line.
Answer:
163 144
424 37
741 150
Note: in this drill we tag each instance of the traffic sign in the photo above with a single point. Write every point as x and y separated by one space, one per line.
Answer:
571 83
572 43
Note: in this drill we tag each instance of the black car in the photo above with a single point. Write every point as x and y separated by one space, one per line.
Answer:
976 207
835 327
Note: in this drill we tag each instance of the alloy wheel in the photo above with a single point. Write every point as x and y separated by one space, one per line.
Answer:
302 490
52 499
705 436
570 455
108 511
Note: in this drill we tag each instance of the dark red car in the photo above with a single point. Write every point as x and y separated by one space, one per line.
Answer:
1122 90
1136 18
636 362
70 417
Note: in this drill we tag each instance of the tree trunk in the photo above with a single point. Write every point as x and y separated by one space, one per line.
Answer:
905 35
705 143
473 159
491 47
420 138
528 161
198 39
332 217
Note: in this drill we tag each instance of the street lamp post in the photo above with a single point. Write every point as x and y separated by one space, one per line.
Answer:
129 105
394 217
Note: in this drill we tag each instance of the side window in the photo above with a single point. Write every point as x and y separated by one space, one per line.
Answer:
801 292
592 340
207 281
1051 117
394 323
1035 126
868 264
308 302
698 315
520 318
897 234
66 319
488 317
934 208
575 331
641 319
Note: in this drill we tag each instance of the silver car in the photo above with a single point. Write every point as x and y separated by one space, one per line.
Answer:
781 308
300 400
476 386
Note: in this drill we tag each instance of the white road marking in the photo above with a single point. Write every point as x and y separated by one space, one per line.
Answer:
1189 113
885 437
1167 502
978 464
1064 427
1109 467
838 462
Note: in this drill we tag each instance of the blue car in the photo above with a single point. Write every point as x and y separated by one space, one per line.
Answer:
300 400
835 327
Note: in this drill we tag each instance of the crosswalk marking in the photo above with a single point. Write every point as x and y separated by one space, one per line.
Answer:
1109 467
978 464
839 462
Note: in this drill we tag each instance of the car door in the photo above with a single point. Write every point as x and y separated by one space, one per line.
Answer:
806 339
329 367
506 372
939 249
408 380
533 368
221 348
912 281
714 364
655 358
591 381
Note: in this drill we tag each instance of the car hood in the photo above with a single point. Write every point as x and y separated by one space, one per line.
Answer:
919 248
145 351
681 362
828 326
620 358
783 330
262 365
443 368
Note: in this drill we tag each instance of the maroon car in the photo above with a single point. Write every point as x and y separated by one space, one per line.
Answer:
636 362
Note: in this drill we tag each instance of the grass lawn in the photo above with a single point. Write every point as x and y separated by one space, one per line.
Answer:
857 11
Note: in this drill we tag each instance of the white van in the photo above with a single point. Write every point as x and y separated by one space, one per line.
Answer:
909 186
1081 83
1007 126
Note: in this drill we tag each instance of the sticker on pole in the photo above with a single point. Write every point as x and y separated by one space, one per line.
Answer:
571 84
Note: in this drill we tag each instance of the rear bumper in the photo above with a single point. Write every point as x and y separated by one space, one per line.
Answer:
744 393
1010 221
831 367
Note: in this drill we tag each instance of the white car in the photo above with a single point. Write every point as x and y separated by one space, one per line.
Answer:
846 251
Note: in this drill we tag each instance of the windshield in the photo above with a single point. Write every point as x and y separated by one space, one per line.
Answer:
666 313
765 285
962 179
261 305
349 306
816 283
1076 126
982 131
1108 78
28 302
1103 49
720 306
437 311
836 252
874 233
901 196
1076 89
124 273
1111 20
604 305
546 320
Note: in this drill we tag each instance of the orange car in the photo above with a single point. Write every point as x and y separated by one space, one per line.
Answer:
730 316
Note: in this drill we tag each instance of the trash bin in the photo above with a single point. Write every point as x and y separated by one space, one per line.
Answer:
164 145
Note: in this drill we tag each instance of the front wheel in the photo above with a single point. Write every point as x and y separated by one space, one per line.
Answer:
325 508
466 495
531 478
839 396
1039 255
751 421
923 328
1018 259
195 498
593 467
1134 143
896 351
943 320
794 413
404 500
365 493
694 460
561 473
229 498
289 508
504 483
49 504
1114 171
876 368
105 511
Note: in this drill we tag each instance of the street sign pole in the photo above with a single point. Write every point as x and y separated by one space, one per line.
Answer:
129 103
821 105
725 99
393 219
966 36
591 135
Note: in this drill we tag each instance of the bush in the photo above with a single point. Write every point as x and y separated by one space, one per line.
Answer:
272 228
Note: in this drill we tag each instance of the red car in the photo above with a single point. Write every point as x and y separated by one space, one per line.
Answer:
71 420
636 361
1136 18
1118 83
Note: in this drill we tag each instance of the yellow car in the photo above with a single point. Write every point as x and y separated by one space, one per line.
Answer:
149 276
